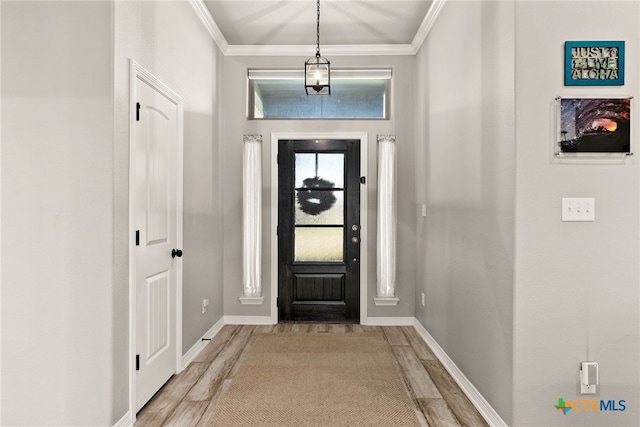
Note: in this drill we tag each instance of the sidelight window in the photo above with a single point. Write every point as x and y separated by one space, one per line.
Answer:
355 94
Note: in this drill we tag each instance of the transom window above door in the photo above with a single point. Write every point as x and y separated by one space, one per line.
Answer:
355 95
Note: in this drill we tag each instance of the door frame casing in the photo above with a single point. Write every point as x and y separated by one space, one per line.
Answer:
363 138
139 72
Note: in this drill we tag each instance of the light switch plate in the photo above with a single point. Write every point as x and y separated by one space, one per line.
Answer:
578 209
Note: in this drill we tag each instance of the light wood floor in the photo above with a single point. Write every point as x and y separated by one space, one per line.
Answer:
189 398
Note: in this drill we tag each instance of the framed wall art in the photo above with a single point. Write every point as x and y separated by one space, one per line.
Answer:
594 63
596 127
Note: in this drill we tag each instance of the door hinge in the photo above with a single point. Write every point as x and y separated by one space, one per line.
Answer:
278 158
137 362
137 111
363 180
137 237
277 230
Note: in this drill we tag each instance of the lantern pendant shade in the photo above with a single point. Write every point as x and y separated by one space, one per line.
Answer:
317 70
317 76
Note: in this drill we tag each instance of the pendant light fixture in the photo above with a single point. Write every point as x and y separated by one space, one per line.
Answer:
317 70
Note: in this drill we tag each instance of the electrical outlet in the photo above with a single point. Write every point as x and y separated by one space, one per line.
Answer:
423 299
588 389
205 304
589 378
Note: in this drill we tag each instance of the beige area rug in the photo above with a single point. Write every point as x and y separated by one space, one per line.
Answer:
317 379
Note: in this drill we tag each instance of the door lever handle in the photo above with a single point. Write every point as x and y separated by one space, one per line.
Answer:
176 253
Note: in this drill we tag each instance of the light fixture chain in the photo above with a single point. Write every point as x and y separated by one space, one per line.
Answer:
318 30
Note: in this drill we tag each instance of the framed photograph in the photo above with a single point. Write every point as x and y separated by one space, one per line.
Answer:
594 63
593 125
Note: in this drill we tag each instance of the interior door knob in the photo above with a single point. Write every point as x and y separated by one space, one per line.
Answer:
176 253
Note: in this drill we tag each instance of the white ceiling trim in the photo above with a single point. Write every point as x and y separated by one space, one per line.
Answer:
327 50
211 26
339 73
304 50
427 24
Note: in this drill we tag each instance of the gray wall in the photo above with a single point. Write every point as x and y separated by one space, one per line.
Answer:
576 293
516 297
57 204
235 124
466 172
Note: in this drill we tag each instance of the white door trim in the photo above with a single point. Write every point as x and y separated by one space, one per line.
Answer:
364 155
138 72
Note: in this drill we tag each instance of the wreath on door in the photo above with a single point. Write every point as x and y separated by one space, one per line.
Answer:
315 196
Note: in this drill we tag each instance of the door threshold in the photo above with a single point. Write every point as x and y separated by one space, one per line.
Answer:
324 322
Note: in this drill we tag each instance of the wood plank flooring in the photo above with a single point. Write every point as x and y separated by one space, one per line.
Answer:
189 398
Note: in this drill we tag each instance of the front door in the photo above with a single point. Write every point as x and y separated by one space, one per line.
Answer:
156 136
319 230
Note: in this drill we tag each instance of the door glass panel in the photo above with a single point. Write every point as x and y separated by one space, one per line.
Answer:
318 244
319 170
314 207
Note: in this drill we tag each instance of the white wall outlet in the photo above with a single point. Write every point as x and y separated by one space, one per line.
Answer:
578 209
423 299
588 389
589 377
424 211
205 304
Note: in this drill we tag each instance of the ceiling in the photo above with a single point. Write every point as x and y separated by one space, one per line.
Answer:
256 24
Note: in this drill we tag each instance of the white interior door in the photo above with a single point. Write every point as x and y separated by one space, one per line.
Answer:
156 144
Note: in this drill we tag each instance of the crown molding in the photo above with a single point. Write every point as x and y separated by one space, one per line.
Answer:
329 50
306 50
427 24
210 24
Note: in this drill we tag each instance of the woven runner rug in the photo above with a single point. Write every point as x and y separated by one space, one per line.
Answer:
317 379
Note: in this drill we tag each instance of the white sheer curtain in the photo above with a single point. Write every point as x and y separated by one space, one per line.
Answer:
386 239
252 219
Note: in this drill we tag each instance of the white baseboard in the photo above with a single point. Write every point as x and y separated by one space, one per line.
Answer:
248 320
125 421
485 409
193 352
390 321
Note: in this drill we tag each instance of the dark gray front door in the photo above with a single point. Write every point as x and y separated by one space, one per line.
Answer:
319 230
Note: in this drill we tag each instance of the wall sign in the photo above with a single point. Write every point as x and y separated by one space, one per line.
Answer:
595 63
